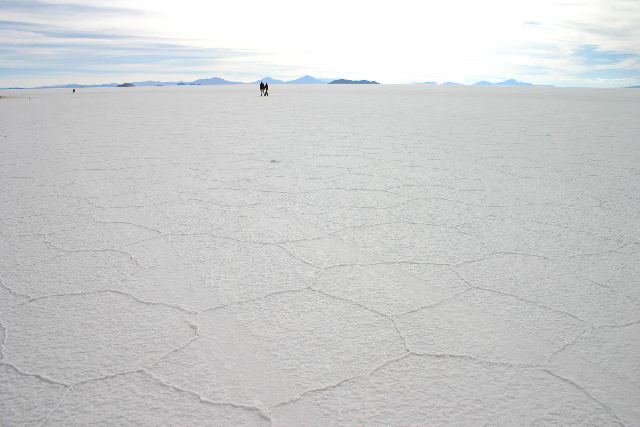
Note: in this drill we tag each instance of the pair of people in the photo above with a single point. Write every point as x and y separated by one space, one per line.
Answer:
264 89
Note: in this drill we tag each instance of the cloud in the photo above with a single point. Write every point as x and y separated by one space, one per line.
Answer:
41 8
43 43
56 32
574 40
611 74
590 55
550 42
32 50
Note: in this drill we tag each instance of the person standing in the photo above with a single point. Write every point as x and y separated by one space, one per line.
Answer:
266 89
261 88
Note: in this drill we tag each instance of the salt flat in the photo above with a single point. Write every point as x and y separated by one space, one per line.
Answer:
326 256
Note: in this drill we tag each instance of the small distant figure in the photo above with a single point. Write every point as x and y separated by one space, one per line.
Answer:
74 91
261 88
266 89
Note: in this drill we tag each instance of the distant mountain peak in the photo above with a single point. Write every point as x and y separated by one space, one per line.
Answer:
305 80
214 81
267 80
356 82
510 82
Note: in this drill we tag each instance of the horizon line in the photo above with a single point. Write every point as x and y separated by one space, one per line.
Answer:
225 82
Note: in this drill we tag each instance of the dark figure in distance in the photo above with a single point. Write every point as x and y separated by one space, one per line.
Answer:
74 91
261 88
266 89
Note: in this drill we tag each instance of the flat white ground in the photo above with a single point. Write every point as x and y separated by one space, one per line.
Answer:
326 256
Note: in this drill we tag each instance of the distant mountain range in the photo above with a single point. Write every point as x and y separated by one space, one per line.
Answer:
353 82
306 80
510 82
203 82
214 81
302 80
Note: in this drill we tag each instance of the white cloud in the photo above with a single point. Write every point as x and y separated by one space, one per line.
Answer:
394 43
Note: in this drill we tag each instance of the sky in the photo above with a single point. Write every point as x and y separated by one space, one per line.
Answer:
586 43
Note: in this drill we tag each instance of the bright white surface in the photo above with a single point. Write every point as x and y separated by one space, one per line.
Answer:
351 255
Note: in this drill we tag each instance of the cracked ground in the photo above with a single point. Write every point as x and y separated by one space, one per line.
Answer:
328 256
